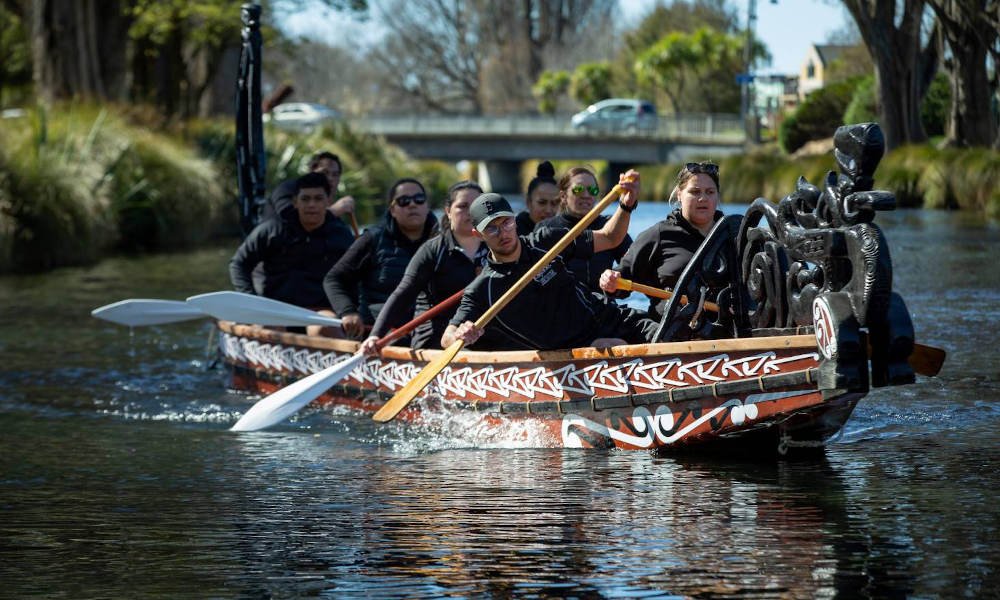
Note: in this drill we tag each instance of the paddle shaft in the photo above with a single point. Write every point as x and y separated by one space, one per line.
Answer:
403 397
631 286
403 330
354 224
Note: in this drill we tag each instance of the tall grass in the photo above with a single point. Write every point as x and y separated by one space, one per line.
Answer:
80 181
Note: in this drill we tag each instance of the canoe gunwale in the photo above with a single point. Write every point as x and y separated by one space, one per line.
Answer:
528 356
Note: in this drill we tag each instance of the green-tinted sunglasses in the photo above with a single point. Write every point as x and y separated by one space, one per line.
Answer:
578 189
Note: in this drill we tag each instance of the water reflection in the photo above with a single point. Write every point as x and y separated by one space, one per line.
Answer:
118 479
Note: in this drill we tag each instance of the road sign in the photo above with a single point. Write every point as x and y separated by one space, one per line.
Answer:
742 78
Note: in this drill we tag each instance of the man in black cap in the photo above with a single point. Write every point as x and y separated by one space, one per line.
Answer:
555 310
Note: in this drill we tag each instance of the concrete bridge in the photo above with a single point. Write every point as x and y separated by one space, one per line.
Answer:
501 144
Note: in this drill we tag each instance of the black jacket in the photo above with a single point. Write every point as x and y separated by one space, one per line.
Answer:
279 203
555 310
293 261
438 270
660 253
589 269
524 223
372 267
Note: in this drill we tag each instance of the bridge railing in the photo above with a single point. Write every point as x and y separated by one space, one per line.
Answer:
713 127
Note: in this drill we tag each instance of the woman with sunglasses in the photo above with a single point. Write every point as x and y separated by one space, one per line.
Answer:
359 283
578 191
443 265
660 253
541 201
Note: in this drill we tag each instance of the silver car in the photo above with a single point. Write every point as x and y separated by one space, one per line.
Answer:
301 116
616 115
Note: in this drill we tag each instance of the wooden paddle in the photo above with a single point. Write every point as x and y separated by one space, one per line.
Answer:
631 286
403 397
288 400
926 360
354 224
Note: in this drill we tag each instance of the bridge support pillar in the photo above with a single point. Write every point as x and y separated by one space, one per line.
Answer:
614 170
501 176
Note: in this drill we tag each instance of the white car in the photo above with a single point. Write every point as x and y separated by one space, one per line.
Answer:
301 116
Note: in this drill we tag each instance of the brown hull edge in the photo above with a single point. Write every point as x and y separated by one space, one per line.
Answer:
751 392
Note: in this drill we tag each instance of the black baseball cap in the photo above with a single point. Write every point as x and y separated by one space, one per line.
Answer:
487 207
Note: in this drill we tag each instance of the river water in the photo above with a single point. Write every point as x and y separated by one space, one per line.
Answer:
119 479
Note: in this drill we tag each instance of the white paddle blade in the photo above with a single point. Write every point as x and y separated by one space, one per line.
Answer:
288 400
137 312
247 308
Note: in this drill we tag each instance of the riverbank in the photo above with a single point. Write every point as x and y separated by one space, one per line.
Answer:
920 176
80 182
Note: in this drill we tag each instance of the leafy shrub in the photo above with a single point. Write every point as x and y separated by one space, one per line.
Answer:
863 107
818 116
936 105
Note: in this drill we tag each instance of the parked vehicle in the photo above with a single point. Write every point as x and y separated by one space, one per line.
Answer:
617 115
301 116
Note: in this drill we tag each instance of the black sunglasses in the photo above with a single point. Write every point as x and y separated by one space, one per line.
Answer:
706 167
417 199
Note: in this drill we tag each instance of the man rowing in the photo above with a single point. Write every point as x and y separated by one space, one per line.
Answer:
295 250
555 310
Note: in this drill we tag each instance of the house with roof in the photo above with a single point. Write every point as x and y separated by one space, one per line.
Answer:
812 76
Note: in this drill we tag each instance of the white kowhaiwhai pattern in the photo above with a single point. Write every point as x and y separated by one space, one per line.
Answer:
511 381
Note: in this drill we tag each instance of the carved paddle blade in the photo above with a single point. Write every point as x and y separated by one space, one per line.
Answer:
403 397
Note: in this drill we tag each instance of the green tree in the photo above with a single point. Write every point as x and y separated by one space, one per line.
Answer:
696 71
551 85
591 82
15 68
169 52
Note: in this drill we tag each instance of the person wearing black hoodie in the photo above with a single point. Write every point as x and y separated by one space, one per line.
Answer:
660 253
578 192
364 278
296 250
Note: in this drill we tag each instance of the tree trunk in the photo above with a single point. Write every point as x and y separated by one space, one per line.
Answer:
904 67
970 35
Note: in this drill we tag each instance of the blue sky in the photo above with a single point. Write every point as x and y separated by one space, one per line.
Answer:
787 27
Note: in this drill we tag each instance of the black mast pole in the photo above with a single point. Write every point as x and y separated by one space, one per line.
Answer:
251 158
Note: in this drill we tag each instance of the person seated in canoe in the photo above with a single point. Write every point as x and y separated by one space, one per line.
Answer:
555 310
660 253
443 265
578 192
541 201
326 163
359 284
294 253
